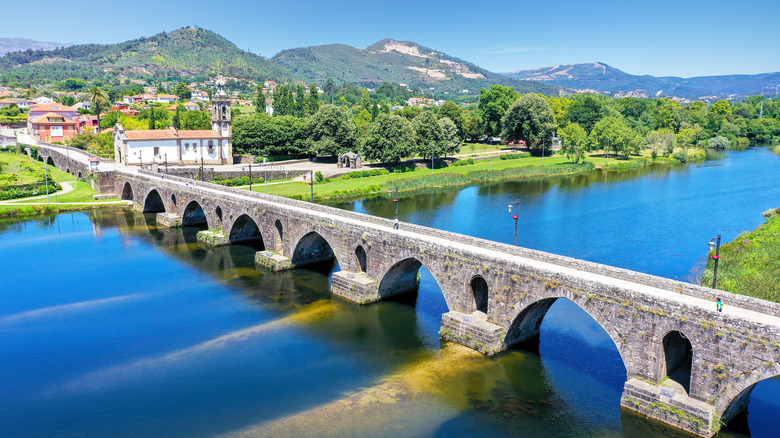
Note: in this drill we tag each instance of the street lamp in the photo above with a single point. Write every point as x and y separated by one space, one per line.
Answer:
265 174
395 200
166 164
515 216
715 244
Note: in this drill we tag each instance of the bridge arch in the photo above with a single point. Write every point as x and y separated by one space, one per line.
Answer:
50 161
127 192
734 399
153 202
279 237
193 215
360 254
219 215
79 174
312 248
678 359
526 324
173 199
404 277
480 293
245 230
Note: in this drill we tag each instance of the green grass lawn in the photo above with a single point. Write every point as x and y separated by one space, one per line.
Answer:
750 265
380 183
12 163
82 192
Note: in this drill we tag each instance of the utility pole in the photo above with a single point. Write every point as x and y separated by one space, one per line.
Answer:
311 181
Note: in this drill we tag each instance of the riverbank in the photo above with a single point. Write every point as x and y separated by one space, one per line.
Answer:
750 264
459 175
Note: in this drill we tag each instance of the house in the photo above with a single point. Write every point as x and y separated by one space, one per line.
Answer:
198 95
166 98
87 123
53 127
21 103
212 147
43 100
86 105
53 107
130 100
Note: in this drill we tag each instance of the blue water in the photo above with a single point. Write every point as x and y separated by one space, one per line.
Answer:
112 327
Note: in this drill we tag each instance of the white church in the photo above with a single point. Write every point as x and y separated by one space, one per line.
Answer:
174 146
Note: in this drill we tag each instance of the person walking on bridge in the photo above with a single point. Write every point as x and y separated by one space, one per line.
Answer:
719 305
395 223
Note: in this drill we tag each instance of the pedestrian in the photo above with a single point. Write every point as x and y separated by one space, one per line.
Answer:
395 223
719 305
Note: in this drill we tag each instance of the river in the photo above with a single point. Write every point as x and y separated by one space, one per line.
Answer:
110 326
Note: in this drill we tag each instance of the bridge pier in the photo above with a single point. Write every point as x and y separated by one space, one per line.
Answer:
473 331
213 238
670 406
355 286
169 220
273 260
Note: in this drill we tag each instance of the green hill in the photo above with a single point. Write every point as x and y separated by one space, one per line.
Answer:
189 52
397 62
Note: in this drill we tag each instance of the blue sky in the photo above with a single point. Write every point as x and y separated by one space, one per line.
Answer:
658 37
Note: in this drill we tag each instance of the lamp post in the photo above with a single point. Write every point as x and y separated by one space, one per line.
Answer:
46 173
265 173
715 244
166 164
395 200
515 216
250 177
311 181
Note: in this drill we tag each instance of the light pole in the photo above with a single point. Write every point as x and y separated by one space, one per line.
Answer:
166 164
515 216
250 177
265 173
46 175
395 200
715 244
311 181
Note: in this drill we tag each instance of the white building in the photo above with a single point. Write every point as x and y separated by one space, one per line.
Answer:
212 147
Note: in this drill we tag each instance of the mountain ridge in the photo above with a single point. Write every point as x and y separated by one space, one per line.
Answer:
8 45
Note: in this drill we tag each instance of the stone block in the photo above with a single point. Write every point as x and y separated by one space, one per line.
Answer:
355 286
472 330
168 220
213 238
674 408
272 260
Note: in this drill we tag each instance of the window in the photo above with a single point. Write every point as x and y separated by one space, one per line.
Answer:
186 146
157 150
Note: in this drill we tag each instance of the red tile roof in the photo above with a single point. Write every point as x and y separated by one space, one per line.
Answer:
46 119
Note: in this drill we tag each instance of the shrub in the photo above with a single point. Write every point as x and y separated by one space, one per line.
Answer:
404 168
318 176
515 156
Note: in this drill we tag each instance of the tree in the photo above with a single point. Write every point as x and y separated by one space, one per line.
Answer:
362 122
300 101
284 105
721 107
313 100
73 84
183 91
99 100
329 88
330 131
261 133
176 121
389 139
260 99
612 133
452 111
586 110
493 104
719 143
429 139
471 129
661 141
109 120
195 120
67 100
451 137
573 137
529 119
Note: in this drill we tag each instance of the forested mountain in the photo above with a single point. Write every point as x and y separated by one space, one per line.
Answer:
396 62
20 44
184 52
601 77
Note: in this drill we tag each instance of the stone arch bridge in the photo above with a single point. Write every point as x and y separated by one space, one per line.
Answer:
687 365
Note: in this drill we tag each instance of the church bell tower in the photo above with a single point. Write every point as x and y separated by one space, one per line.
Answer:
221 121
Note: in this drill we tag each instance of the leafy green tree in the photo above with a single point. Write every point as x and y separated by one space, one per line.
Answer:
262 134
451 137
686 137
260 99
329 88
109 120
452 111
529 119
183 91
613 134
586 110
719 143
409 112
762 130
73 84
313 100
493 103
99 101
284 105
330 131
471 128
560 107
195 120
389 139
721 107
300 101
176 121
67 100
661 141
363 122
573 137
429 139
